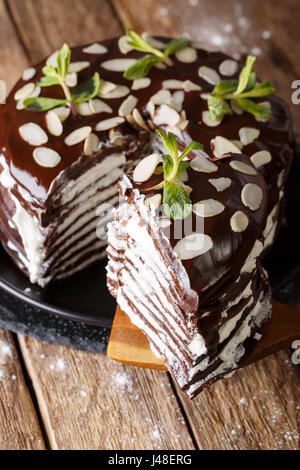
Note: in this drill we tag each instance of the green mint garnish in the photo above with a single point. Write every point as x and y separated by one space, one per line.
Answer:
142 66
57 76
176 201
240 90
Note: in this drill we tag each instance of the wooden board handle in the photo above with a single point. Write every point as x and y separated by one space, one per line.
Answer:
127 344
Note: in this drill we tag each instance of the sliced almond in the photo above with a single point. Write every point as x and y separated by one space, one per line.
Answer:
222 146
209 75
84 109
106 86
128 105
150 107
166 115
109 123
98 106
203 165
123 45
25 91
252 196
154 202
63 112
177 100
191 86
236 107
173 84
33 134
117 92
161 97
242 167
187 55
228 67
29 73
138 119
237 143
95 48
261 158
248 135
206 119
267 105
54 124
204 46
186 187
71 79
221 184
163 222
160 66
91 144
146 167
208 208
183 121
78 135
118 65
46 157
193 245
139 83
239 222
76 67
52 59
153 41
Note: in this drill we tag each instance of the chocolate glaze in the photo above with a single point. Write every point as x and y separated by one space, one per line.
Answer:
220 265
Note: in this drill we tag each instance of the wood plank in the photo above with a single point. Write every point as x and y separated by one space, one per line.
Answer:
257 408
19 426
12 57
236 27
91 402
44 26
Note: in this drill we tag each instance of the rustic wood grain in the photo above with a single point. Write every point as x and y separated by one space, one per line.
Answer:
19 426
44 26
90 402
12 58
257 408
236 27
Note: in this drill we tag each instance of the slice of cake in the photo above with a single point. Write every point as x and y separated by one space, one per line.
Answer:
185 247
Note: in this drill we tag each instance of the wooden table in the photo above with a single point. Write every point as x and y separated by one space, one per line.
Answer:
54 397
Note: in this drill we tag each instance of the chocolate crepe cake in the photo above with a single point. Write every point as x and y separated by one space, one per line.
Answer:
199 296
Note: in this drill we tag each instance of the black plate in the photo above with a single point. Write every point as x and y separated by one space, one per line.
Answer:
85 298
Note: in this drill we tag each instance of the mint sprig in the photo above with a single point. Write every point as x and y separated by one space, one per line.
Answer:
53 76
176 201
142 66
242 91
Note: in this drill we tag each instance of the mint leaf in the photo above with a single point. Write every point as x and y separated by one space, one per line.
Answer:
251 82
182 167
218 108
177 204
48 81
226 86
245 74
139 44
169 141
141 68
63 61
263 89
192 146
42 104
175 45
87 90
168 165
255 108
